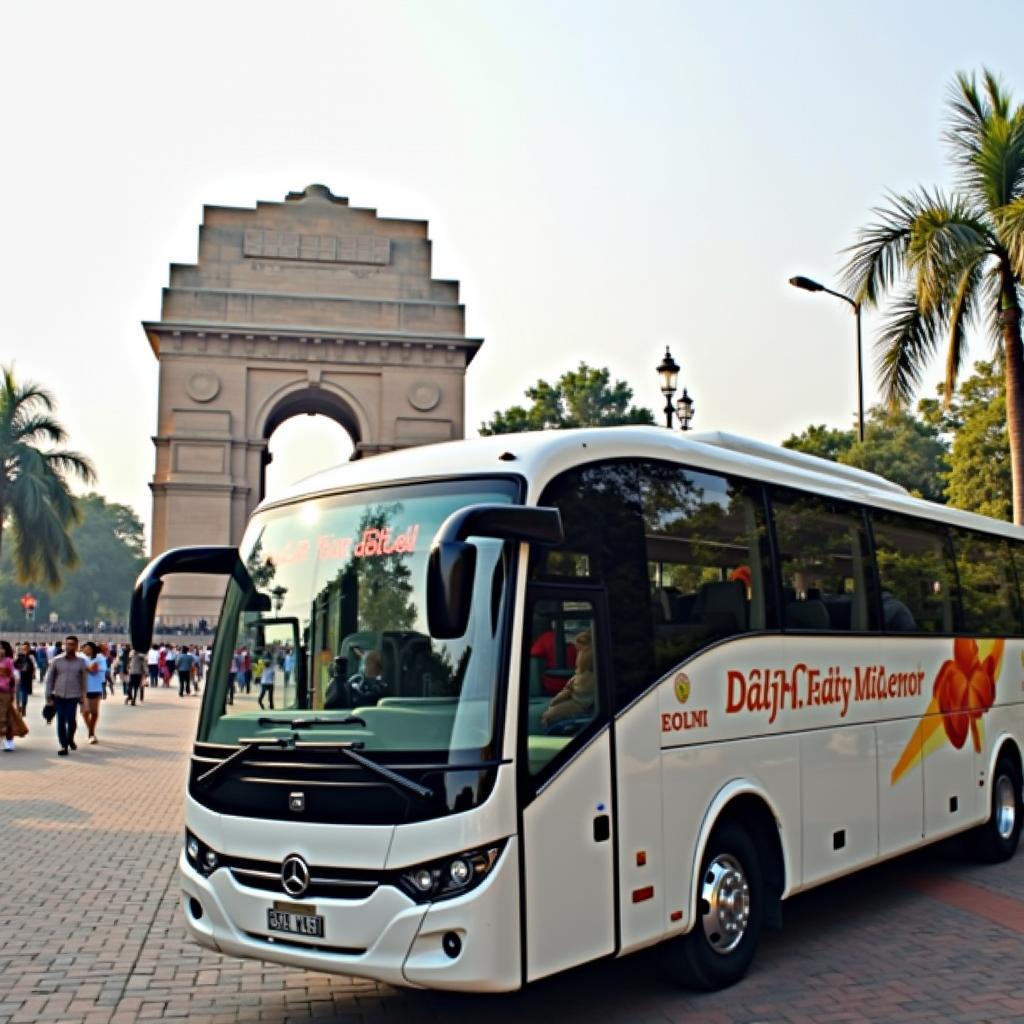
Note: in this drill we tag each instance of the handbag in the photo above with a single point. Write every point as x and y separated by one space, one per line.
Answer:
49 712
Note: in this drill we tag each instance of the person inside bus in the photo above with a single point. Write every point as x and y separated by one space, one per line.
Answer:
576 698
367 686
897 617
545 647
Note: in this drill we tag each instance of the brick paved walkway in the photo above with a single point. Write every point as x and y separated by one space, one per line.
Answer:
90 933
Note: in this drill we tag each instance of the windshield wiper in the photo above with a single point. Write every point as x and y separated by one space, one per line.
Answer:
309 723
294 743
280 742
400 781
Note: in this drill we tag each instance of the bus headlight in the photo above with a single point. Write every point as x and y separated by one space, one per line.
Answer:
199 855
460 872
452 876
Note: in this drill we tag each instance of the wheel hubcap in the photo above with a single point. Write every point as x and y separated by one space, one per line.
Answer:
1006 807
725 903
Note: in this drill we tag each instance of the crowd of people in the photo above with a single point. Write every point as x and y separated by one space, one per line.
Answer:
77 679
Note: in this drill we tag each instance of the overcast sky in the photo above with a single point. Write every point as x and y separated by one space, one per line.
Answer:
602 178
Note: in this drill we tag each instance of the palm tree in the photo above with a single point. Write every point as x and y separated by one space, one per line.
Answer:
948 261
34 497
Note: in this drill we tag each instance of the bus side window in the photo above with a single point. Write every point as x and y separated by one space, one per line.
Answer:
916 574
823 562
989 600
707 563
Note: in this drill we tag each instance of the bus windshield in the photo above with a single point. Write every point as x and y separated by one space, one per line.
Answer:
326 641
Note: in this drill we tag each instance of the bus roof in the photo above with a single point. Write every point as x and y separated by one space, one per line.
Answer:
541 455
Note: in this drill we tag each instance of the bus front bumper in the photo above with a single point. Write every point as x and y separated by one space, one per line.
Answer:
387 936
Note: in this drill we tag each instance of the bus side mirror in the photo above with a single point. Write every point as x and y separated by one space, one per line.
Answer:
450 571
452 562
205 561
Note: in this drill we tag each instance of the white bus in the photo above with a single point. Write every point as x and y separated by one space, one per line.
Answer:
539 699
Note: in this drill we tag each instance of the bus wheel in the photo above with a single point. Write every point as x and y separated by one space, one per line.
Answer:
717 951
997 839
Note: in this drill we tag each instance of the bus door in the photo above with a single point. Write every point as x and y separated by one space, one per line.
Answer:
567 786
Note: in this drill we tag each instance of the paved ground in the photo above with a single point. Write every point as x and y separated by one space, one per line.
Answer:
90 934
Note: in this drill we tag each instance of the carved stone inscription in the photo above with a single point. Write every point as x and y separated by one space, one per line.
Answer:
290 245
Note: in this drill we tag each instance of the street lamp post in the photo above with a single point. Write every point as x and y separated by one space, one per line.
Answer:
668 370
813 286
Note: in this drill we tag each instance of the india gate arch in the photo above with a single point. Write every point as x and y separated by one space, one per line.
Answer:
307 305
302 400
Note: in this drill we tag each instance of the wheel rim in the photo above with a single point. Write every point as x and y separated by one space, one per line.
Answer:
725 903
1006 807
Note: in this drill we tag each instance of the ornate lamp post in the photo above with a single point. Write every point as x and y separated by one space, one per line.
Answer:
812 286
668 370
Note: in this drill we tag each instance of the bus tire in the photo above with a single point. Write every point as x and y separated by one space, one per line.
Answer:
717 951
997 839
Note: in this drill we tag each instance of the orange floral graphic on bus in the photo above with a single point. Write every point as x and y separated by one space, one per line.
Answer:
964 689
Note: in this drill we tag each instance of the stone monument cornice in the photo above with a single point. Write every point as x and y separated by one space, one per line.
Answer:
245 341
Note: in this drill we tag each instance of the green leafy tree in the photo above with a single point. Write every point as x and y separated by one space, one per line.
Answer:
111 548
37 508
979 458
825 442
898 445
584 397
904 448
383 582
947 261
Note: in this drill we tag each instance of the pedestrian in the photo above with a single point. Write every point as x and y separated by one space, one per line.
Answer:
42 655
153 665
123 657
96 687
171 661
108 677
233 670
65 689
184 664
25 663
245 667
266 670
8 683
136 670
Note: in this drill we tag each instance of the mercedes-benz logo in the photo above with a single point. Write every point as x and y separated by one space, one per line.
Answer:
294 875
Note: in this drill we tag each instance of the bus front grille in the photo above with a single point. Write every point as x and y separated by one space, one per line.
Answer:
324 883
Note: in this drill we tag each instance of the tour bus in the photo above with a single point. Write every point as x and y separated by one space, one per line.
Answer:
540 699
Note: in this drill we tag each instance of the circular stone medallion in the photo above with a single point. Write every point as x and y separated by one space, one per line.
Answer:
203 387
424 396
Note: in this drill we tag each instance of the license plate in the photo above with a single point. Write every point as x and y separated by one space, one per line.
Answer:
296 924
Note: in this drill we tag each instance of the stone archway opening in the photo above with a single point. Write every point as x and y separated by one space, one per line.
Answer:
306 431
300 446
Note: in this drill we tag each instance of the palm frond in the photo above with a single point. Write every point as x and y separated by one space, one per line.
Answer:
878 257
963 311
946 237
71 464
38 428
991 290
907 340
968 113
1009 221
987 140
998 98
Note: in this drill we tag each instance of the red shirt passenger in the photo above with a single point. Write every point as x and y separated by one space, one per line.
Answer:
544 647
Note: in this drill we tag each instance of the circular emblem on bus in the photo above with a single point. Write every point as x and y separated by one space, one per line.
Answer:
294 875
682 687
